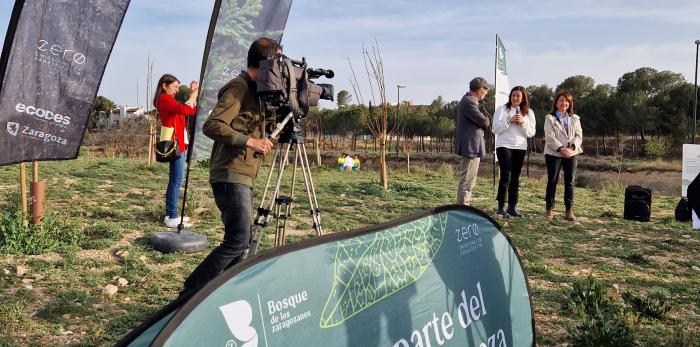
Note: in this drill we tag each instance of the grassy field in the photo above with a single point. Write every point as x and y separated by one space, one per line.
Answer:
639 283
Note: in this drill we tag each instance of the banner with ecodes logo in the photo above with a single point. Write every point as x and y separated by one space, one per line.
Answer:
448 276
53 59
234 26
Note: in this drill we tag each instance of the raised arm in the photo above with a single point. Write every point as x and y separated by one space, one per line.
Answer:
500 120
471 111
167 103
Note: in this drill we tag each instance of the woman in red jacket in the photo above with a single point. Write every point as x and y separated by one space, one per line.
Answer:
172 115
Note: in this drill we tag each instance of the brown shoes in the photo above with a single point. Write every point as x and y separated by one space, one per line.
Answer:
569 214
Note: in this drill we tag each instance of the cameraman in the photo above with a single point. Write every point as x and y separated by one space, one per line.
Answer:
236 126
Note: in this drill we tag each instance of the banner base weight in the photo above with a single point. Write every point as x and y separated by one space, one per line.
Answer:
185 242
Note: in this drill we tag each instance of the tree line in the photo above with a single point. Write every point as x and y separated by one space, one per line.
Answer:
648 111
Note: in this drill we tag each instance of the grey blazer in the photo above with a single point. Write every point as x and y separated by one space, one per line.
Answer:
469 135
556 136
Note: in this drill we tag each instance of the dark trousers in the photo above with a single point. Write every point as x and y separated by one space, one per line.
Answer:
554 165
235 201
510 161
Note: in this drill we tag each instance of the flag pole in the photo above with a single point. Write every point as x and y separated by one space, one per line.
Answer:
495 90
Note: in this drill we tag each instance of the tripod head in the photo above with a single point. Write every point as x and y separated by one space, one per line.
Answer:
292 128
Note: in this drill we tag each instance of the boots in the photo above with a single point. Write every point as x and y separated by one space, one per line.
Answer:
570 214
501 212
513 211
549 214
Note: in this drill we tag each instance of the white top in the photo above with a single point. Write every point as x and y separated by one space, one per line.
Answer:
511 135
348 162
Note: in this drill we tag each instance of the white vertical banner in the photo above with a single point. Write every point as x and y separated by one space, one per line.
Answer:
691 166
690 170
502 88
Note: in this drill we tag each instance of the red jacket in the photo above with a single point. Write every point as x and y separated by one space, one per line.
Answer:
172 115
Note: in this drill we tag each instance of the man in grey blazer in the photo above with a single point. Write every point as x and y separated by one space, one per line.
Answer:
469 137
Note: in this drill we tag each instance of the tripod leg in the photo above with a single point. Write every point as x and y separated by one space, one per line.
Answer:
311 192
282 164
289 203
297 158
274 203
279 235
269 177
262 216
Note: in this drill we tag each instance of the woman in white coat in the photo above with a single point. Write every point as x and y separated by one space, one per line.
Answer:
513 124
563 138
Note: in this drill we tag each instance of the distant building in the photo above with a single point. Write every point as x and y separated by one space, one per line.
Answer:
121 114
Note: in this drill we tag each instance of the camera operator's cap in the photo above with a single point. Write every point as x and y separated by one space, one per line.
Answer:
477 83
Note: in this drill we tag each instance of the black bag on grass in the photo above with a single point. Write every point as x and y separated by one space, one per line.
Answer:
683 211
637 203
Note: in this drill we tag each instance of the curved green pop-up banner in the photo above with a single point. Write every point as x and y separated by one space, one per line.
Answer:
448 276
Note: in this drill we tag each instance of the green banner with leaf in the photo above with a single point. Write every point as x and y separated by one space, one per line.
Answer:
447 276
235 24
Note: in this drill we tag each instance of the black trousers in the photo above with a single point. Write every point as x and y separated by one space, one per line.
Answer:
554 165
510 161
235 201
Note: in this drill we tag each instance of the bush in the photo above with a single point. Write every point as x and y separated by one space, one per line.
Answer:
656 148
588 296
600 321
55 234
582 181
636 258
602 330
655 305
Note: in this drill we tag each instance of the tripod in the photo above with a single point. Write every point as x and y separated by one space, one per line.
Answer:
280 206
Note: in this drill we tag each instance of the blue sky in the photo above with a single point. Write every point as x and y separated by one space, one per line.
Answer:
434 47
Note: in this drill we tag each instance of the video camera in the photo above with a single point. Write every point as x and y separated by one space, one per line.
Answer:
284 82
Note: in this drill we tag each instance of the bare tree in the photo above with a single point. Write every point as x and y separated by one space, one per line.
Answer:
377 117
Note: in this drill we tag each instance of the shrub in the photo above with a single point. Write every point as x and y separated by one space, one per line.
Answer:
446 170
656 148
582 181
588 296
636 258
55 234
600 321
655 305
602 329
